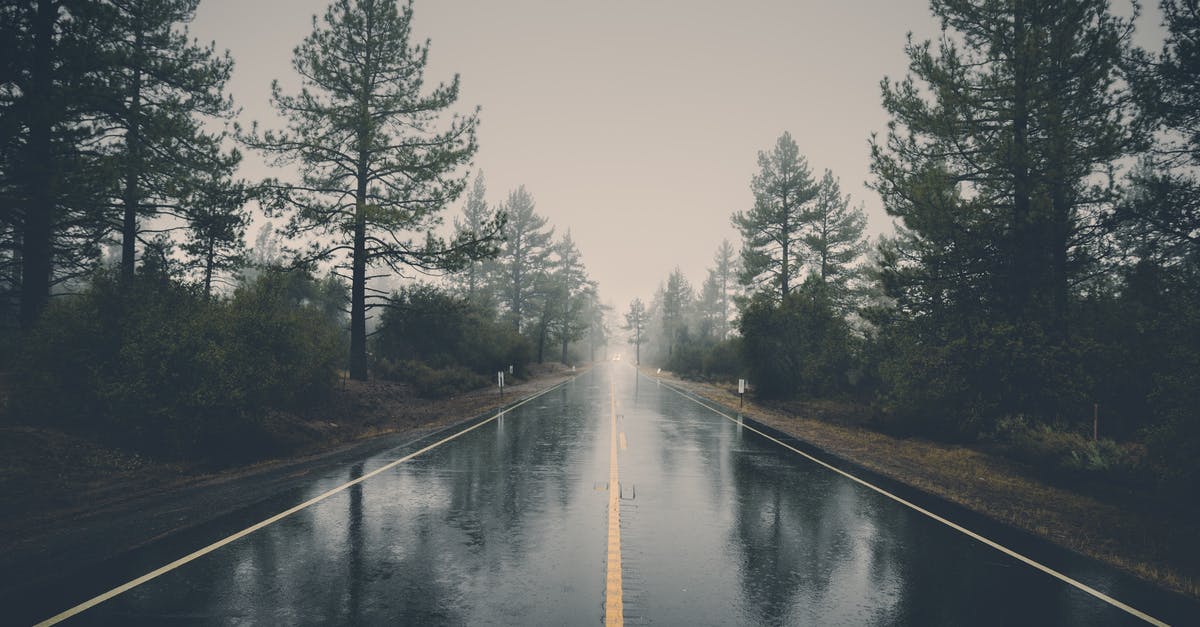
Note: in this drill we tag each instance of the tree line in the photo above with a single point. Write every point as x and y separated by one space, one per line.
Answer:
122 217
1042 281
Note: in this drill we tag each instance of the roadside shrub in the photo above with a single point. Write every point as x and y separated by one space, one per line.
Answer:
1062 452
430 382
724 359
427 324
800 347
159 368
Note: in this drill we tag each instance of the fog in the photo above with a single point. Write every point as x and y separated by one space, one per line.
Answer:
634 124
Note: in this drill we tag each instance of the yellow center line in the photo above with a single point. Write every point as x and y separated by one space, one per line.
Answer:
614 608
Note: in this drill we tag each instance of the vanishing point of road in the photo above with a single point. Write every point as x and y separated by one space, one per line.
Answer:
612 498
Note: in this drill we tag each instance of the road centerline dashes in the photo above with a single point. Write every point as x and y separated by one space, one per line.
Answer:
614 607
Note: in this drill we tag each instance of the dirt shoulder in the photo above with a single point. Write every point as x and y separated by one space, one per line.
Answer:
1156 546
58 489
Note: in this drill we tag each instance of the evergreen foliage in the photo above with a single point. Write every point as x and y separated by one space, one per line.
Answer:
378 167
773 229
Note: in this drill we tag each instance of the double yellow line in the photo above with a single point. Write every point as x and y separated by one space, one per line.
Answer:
614 607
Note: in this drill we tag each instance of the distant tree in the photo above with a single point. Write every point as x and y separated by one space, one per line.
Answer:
677 299
725 271
572 293
216 218
708 307
835 239
475 221
521 263
635 322
377 166
773 229
598 330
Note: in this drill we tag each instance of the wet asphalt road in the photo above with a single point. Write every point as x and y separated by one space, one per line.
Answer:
508 524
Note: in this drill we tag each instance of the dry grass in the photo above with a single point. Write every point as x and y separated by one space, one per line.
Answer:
1147 544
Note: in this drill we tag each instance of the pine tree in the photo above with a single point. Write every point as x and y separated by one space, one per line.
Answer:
217 217
998 162
725 269
835 240
598 330
677 299
1026 119
772 230
708 307
571 293
1166 207
474 223
53 183
635 322
378 164
522 258
162 87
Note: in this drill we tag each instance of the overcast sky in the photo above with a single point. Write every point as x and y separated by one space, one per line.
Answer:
635 124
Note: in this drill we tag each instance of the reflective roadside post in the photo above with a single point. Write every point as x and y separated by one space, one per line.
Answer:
500 382
741 392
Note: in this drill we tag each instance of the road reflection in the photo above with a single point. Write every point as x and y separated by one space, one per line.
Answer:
507 525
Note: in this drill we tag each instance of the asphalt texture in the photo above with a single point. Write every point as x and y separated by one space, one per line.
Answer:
509 524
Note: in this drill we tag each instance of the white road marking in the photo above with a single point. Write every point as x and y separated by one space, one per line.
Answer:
129 585
1003 549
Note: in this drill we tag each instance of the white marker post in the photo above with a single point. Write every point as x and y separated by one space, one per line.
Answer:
741 392
500 382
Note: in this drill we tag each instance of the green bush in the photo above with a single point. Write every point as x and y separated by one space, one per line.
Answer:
159 368
430 382
800 347
1062 452
427 324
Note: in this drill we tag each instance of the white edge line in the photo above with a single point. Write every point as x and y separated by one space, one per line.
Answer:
1003 549
129 585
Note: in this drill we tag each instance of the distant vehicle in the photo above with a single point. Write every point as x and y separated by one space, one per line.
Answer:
617 357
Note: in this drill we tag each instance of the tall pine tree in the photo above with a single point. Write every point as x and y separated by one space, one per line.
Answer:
162 87
772 230
53 180
835 240
998 164
378 162
521 263
475 221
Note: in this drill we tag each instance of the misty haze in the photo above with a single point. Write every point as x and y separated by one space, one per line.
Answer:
377 312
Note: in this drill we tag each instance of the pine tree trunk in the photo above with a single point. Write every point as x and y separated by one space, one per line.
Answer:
133 143
1021 251
358 290
566 328
38 224
209 263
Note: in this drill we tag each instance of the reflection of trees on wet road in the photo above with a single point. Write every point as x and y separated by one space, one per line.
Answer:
809 551
507 524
